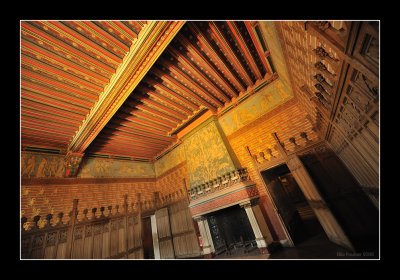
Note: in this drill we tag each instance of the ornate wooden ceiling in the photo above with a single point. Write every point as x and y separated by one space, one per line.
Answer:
66 65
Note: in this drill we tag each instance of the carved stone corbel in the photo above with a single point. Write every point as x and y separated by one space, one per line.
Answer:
72 163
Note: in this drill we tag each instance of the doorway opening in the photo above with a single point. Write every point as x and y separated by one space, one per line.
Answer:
300 220
231 231
148 249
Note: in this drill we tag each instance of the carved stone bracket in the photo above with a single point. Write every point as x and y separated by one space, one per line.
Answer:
321 67
72 163
320 51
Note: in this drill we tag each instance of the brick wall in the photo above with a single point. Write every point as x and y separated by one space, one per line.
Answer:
288 120
173 180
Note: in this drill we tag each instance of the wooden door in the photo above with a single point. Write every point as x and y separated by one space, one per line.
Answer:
164 234
184 235
327 220
285 208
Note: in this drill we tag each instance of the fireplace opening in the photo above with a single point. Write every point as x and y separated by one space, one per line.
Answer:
231 231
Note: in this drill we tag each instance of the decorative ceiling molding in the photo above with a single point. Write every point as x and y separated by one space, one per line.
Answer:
151 42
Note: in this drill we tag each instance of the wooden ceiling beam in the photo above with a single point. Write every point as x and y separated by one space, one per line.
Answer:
46 100
103 34
142 121
26 122
260 52
35 32
35 77
107 134
195 96
204 63
50 70
244 49
192 80
158 96
125 150
27 86
57 61
161 114
218 58
136 125
154 119
219 37
77 38
151 42
134 154
35 119
134 131
123 29
48 109
164 108
117 143
167 91
176 71
32 112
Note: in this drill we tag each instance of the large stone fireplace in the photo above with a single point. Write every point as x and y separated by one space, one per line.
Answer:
228 215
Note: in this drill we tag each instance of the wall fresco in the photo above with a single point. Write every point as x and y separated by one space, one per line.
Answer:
111 168
168 161
255 106
206 155
35 165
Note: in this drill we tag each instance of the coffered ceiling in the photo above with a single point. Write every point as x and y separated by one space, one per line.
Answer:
66 66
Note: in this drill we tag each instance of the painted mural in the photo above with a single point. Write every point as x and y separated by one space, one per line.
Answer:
111 168
35 165
206 155
255 106
168 161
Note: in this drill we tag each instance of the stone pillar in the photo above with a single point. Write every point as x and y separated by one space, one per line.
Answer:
207 249
261 242
209 235
154 232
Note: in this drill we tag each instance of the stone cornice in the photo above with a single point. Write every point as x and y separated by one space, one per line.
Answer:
152 41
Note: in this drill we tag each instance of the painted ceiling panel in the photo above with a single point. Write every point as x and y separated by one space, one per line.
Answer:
65 66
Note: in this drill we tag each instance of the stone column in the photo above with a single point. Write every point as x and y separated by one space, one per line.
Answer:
261 242
154 232
207 248
209 235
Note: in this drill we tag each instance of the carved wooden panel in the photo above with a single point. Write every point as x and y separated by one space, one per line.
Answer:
367 45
